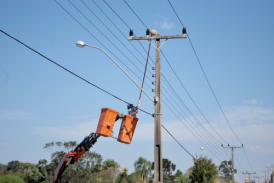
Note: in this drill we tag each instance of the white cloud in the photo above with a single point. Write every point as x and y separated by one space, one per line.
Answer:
267 150
15 115
163 22
248 115
252 102
77 132
166 25
254 126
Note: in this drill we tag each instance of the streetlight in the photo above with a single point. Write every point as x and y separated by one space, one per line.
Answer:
81 44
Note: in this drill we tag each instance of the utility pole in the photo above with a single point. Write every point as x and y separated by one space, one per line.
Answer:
232 159
258 178
158 164
264 175
268 172
249 175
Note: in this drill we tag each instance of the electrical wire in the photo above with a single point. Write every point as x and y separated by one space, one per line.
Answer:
193 100
206 75
199 134
70 71
178 142
127 26
210 84
80 12
98 40
166 80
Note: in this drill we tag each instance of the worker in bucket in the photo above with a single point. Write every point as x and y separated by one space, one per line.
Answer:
132 111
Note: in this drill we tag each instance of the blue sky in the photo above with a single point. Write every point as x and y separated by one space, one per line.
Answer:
40 102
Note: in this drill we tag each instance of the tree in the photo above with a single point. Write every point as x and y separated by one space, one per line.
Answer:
168 168
204 171
225 167
10 179
122 177
42 162
13 166
180 178
143 168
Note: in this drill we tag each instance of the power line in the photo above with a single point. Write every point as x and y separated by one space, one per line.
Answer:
210 84
193 100
205 75
178 142
98 40
90 84
162 74
126 25
188 124
70 71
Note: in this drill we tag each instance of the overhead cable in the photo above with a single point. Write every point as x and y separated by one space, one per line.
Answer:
210 84
70 71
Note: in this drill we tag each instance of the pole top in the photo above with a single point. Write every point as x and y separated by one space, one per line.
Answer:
153 32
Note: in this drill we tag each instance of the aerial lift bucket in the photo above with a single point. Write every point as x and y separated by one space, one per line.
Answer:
106 122
127 129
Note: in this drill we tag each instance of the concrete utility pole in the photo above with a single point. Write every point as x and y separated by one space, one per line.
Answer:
158 167
268 172
249 175
232 159
258 178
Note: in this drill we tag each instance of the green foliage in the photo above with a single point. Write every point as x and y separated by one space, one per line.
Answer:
180 178
204 171
122 177
168 168
142 168
10 179
225 167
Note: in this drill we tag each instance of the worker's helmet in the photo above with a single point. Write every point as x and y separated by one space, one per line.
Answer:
129 106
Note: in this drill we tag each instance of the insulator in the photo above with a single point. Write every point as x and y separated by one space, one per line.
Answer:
131 33
228 145
153 90
153 68
153 75
153 82
148 32
184 30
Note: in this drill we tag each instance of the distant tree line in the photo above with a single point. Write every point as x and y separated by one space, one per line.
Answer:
91 168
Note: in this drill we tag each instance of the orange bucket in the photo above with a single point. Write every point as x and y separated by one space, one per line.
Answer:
127 129
106 122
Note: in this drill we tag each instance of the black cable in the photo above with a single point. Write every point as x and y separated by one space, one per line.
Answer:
210 85
239 163
135 13
128 27
178 142
70 71
114 36
162 74
181 101
97 40
193 100
189 125
205 75
103 34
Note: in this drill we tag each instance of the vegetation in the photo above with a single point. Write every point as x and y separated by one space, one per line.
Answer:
203 171
225 167
92 168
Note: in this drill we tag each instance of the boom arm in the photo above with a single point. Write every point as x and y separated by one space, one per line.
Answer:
74 155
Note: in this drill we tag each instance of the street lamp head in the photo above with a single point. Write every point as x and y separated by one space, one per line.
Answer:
80 44
202 148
